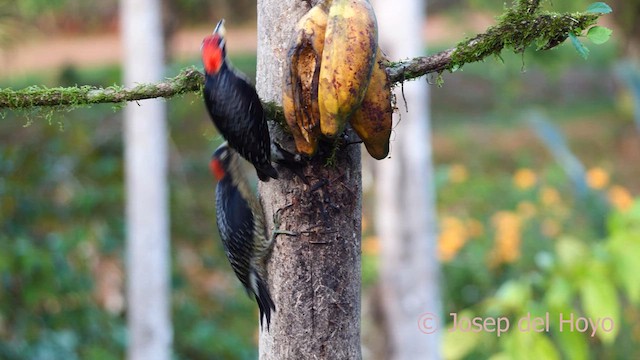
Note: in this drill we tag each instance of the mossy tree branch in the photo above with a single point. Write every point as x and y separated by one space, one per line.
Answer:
517 29
189 80
521 26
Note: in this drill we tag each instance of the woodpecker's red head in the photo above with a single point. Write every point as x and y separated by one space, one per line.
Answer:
220 161
214 49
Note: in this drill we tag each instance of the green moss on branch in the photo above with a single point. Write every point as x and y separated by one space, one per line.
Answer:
521 26
189 80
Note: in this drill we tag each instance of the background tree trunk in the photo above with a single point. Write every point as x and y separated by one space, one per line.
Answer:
405 197
315 277
146 182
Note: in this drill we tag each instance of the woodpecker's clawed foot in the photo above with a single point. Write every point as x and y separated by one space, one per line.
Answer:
318 185
276 232
323 182
292 161
276 224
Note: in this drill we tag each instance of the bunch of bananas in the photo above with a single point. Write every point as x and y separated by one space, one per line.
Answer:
335 73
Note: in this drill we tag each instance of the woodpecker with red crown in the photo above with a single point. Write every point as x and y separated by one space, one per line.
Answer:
234 106
241 225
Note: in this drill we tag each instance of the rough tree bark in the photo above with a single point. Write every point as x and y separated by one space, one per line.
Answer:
405 199
147 212
314 277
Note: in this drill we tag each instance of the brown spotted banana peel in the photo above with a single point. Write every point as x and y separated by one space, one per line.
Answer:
300 80
372 121
350 45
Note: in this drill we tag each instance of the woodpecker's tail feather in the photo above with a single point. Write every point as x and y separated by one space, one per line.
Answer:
266 173
265 303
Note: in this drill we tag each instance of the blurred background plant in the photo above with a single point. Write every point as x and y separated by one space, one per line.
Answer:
517 234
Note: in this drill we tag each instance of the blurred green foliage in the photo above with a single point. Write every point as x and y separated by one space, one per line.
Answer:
558 80
32 8
62 205
516 237
80 16
62 237
560 6
562 275
57 195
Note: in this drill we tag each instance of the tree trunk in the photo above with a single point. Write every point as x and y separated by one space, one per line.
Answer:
314 277
146 181
406 220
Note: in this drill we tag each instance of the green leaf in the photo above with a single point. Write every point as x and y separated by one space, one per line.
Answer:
600 301
625 251
599 8
559 292
458 344
498 356
572 254
573 344
582 50
528 345
513 295
599 34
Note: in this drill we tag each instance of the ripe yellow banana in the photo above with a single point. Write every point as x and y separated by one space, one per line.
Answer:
350 45
372 121
301 74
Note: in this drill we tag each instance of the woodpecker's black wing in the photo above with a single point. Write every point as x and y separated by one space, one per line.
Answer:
236 111
236 225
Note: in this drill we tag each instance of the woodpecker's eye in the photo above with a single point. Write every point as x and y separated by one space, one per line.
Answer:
221 153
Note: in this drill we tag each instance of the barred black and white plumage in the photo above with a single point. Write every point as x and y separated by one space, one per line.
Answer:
242 227
234 106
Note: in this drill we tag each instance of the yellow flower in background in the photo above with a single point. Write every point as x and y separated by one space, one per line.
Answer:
371 245
524 178
453 236
549 196
458 173
508 226
597 178
526 209
620 197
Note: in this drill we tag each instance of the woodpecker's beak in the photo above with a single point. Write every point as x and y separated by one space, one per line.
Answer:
220 30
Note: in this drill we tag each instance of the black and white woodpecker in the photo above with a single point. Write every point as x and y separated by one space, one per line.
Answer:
242 227
234 106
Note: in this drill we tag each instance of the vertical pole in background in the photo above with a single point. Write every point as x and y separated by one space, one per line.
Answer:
147 223
405 195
